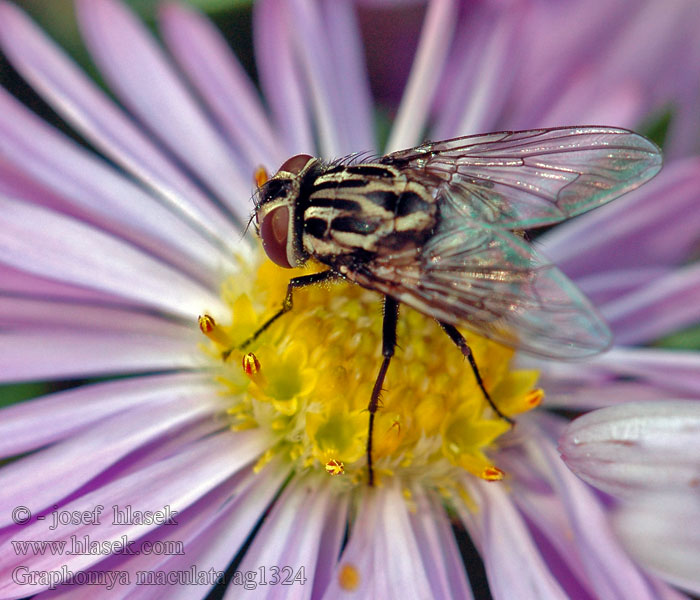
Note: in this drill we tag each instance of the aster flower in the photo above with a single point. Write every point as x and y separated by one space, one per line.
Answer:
196 462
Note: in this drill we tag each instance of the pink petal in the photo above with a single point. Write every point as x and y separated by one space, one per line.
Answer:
81 103
280 76
86 187
436 542
662 533
145 81
480 71
668 304
637 447
23 426
204 55
514 566
383 550
292 533
58 247
68 465
207 464
55 354
609 569
428 64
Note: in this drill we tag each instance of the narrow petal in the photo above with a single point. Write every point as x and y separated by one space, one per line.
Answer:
23 426
207 464
344 37
428 64
212 532
51 354
280 76
609 569
668 304
662 534
480 70
204 55
91 190
436 542
291 536
637 447
132 62
68 465
55 246
86 107
601 288
382 558
514 566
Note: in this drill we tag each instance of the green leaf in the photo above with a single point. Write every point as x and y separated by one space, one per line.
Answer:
687 339
12 394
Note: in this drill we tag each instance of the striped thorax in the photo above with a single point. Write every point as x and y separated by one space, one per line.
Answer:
342 215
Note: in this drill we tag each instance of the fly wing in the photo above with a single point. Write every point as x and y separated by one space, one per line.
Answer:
494 283
527 179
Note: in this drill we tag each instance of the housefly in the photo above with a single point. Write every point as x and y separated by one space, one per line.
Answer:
439 228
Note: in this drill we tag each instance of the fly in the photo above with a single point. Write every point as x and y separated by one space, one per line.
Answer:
438 228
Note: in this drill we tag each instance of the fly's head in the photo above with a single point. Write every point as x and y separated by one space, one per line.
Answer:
279 213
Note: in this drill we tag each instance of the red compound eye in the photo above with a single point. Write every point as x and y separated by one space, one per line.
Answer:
273 233
295 164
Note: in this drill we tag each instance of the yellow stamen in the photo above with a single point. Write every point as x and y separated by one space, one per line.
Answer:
335 467
261 176
251 364
492 474
320 362
208 326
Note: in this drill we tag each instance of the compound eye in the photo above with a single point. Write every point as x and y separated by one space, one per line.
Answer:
295 164
274 230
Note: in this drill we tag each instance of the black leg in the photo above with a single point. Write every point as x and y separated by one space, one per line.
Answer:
461 343
295 282
391 315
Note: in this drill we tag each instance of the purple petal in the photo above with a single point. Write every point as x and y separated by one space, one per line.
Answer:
607 286
23 426
480 70
382 550
207 463
280 77
86 107
212 531
52 354
609 569
204 55
637 447
662 533
143 78
344 38
666 305
88 188
292 533
436 542
68 465
514 566
58 247
438 29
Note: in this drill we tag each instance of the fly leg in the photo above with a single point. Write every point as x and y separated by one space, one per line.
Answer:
461 343
294 283
391 315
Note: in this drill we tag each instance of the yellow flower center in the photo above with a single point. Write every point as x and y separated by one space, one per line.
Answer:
307 380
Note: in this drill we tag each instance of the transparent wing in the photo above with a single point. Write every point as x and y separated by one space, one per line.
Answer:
527 179
494 283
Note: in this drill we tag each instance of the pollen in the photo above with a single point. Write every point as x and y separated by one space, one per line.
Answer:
348 577
307 380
